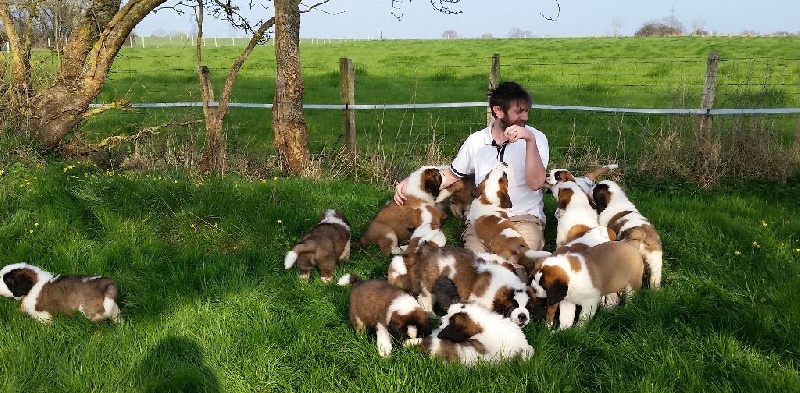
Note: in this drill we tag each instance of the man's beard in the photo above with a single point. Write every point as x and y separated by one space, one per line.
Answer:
505 124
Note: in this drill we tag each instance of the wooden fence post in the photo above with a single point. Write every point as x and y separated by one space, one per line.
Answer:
494 79
708 150
707 101
347 93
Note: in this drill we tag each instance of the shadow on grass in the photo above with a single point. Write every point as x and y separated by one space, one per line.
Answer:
176 365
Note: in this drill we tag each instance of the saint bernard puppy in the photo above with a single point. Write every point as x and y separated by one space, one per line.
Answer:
390 311
575 213
471 334
322 246
491 286
459 195
43 295
488 214
582 278
567 312
619 213
585 182
395 223
423 234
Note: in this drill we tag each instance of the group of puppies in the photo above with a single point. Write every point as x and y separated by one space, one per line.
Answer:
483 300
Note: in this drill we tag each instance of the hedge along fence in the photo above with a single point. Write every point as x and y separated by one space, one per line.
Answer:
406 133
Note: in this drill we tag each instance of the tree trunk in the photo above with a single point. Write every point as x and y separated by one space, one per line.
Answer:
53 113
288 123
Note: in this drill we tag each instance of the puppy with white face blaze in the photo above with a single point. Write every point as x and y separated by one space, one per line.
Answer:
471 334
395 223
324 245
617 212
391 312
585 182
44 295
488 214
575 213
582 278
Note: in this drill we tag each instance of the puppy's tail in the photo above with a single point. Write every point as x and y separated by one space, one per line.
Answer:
110 308
291 256
593 175
349 279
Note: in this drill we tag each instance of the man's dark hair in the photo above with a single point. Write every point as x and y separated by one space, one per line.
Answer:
507 93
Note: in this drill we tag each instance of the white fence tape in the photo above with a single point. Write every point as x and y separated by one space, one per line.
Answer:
743 111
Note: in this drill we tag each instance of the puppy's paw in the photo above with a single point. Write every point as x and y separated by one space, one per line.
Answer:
412 342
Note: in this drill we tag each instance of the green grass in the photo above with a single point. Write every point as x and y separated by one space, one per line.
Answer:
208 305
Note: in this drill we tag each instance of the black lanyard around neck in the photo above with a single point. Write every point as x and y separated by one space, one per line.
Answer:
501 149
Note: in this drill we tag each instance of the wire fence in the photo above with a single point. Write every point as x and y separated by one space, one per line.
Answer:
405 105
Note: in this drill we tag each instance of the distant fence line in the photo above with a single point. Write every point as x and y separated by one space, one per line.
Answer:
644 111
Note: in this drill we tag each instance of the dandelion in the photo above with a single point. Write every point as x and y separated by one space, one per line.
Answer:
69 168
30 230
191 226
763 223
275 178
756 245
280 221
2 172
737 252
36 224
797 250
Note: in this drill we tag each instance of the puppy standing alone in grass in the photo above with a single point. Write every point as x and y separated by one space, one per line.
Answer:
326 243
43 295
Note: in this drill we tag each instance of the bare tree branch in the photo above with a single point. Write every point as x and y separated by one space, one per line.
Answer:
558 13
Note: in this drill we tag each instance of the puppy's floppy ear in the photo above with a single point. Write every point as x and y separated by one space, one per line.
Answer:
445 294
18 282
433 181
611 234
556 292
601 196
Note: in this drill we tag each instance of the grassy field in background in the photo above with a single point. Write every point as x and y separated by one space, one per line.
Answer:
755 72
209 307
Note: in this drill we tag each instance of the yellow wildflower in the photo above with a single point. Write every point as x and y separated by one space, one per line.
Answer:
737 252
280 221
763 223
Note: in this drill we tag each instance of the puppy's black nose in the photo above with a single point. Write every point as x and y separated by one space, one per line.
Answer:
523 319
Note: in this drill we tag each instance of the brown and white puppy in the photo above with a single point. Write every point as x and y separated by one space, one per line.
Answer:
322 246
394 223
471 334
488 214
575 213
43 295
620 214
585 182
488 285
582 278
390 311
422 234
459 195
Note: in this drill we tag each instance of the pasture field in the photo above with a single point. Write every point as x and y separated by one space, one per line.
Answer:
208 305
755 72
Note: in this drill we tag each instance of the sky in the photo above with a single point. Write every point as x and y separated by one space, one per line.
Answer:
375 19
